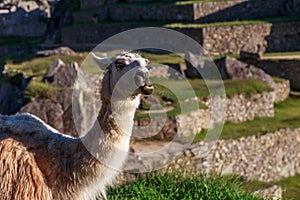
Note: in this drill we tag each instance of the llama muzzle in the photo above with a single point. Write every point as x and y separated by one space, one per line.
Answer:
146 89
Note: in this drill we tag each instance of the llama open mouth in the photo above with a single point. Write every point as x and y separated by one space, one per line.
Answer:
146 89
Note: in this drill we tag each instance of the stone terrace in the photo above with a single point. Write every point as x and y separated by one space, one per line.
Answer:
101 20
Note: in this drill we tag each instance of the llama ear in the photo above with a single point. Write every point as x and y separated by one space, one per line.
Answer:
103 63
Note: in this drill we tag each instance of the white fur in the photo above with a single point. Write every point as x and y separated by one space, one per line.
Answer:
60 166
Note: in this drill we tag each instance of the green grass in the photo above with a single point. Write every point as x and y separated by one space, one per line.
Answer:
176 91
278 80
183 89
282 19
39 66
287 115
163 58
197 1
290 186
171 25
247 87
161 3
37 88
290 53
175 186
231 23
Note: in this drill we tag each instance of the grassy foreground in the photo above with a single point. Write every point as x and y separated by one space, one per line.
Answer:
173 186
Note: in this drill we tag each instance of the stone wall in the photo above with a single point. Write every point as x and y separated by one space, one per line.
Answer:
131 12
203 12
91 15
268 157
231 39
85 4
273 193
241 109
238 109
282 90
238 10
216 40
168 12
256 38
22 23
94 33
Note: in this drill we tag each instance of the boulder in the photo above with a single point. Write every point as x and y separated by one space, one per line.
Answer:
57 51
60 74
198 66
64 97
232 68
192 62
49 111
274 192
229 68
64 76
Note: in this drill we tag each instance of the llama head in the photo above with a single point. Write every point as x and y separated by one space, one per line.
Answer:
126 76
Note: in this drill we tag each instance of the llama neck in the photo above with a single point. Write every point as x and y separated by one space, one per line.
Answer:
123 113
107 142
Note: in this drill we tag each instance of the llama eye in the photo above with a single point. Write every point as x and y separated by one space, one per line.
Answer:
120 65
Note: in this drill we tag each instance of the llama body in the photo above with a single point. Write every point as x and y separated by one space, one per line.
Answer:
38 162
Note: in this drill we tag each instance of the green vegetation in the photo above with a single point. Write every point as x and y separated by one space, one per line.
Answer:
290 186
281 19
198 87
247 87
197 1
163 58
278 54
287 115
189 25
278 80
160 3
38 66
37 88
176 186
176 91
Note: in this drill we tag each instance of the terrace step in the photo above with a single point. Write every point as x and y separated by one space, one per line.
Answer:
183 11
216 39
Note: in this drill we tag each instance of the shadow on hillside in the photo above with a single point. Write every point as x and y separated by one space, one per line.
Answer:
284 37
250 10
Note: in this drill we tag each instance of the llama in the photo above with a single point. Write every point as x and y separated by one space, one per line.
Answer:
39 163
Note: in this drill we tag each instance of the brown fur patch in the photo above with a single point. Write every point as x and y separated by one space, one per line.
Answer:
23 178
